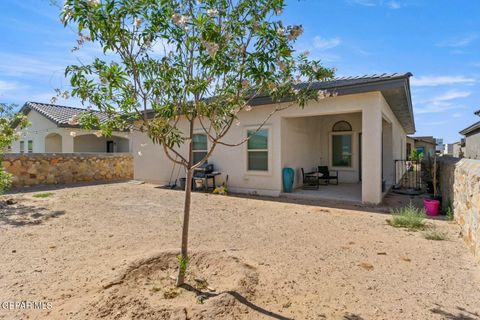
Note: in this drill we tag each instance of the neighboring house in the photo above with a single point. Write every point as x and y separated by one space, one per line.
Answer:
439 146
459 149
424 145
50 132
360 133
472 139
448 149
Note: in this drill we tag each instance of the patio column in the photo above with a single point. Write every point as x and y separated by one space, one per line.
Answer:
372 154
67 143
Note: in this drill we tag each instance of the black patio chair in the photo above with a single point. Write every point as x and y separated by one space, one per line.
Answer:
309 181
327 174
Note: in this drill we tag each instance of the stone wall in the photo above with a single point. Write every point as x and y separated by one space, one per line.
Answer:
32 169
460 187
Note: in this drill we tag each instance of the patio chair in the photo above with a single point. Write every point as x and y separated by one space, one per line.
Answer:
309 181
327 174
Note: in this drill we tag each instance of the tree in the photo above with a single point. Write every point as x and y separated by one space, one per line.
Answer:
10 123
186 60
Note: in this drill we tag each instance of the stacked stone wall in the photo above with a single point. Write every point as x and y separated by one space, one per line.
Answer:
33 169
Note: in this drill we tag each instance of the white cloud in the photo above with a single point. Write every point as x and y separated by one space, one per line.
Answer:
458 42
451 95
9 86
325 44
443 102
393 4
433 81
17 65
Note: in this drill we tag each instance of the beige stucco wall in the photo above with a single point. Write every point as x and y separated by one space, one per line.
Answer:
288 131
472 146
41 129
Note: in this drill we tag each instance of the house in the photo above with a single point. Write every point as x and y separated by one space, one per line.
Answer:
439 146
52 131
359 132
448 149
459 149
425 145
472 139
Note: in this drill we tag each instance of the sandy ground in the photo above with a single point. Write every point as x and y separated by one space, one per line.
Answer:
108 251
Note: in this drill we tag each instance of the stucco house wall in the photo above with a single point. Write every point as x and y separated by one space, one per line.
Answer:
297 138
472 145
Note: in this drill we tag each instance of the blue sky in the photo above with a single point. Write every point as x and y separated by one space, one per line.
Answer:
437 40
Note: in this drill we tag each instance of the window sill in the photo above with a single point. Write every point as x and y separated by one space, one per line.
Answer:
258 173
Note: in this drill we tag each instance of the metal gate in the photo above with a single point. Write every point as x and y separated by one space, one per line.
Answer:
408 174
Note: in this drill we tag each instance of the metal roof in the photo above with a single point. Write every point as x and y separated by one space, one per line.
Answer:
395 87
474 127
60 115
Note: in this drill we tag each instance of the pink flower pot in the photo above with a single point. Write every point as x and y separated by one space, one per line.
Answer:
432 207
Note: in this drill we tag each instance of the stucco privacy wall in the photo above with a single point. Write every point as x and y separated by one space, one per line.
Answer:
63 168
152 165
460 188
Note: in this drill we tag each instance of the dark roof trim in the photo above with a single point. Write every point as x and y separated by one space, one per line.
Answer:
474 127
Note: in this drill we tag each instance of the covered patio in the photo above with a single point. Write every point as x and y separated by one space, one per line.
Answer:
351 192
359 157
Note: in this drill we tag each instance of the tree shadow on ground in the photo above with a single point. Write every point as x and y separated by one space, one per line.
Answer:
352 316
21 215
459 314
203 295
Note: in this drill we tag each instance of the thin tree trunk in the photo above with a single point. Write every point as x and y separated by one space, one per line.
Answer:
186 211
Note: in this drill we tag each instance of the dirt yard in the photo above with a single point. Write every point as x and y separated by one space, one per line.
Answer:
109 252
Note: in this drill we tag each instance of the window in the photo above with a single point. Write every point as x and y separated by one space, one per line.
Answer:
199 147
342 126
30 146
257 149
342 150
22 146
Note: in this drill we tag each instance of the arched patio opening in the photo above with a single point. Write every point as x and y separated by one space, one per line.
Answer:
92 143
53 143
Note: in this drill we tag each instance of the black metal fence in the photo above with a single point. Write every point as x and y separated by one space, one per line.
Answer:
408 174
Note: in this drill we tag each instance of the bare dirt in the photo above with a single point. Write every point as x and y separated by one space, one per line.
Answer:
109 252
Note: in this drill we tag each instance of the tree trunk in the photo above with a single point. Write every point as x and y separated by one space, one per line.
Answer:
186 220
186 212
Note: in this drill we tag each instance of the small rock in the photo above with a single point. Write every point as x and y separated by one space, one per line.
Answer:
211 289
13 251
201 298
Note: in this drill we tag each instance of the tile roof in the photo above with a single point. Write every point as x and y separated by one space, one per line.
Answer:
60 115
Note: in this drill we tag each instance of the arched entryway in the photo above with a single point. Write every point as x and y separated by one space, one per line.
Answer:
53 143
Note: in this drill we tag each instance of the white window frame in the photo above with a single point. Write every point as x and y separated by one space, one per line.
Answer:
204 151
268 150
22 146
354 136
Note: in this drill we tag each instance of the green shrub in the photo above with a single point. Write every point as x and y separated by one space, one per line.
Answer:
408 217
434 234
450 215
43 195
